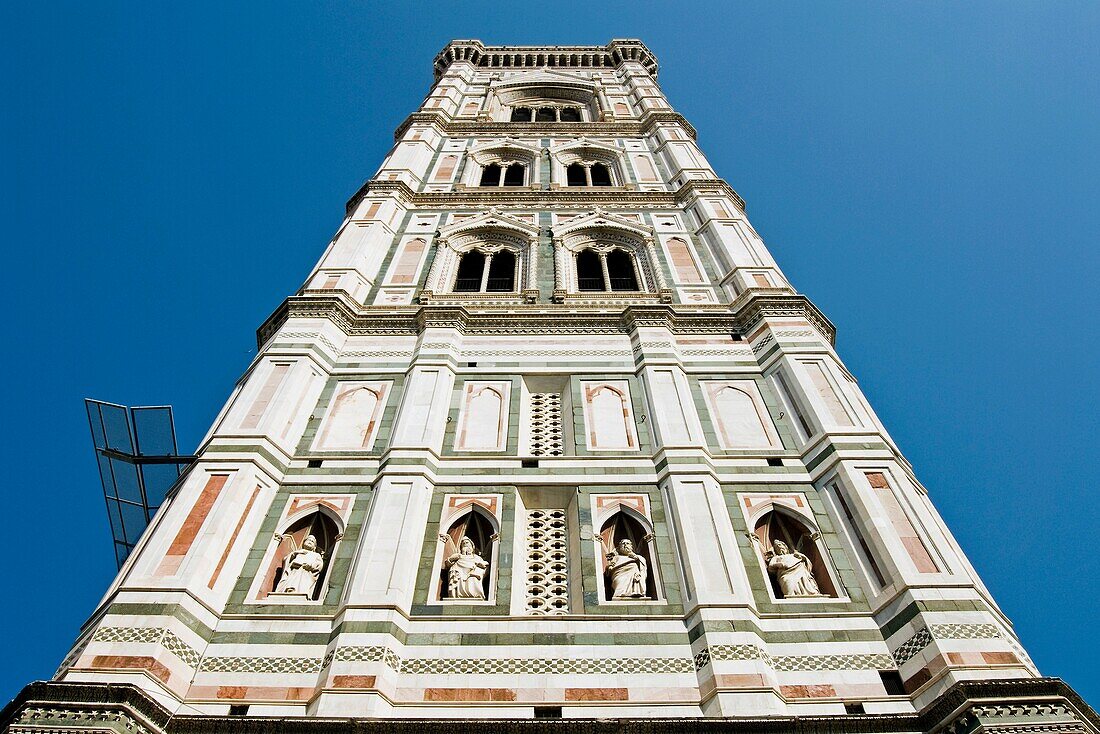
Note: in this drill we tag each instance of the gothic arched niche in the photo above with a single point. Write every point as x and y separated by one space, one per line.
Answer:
354 415
789 576
622 573
460 569
325 531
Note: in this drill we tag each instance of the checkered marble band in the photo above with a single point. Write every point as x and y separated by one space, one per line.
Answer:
542 666
925 635
869 661
151 635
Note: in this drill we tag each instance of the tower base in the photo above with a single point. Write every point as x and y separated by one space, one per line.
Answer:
1045 705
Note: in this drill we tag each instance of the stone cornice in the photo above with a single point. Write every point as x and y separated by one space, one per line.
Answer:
447 126
1018 705
548 198
543 318
512 58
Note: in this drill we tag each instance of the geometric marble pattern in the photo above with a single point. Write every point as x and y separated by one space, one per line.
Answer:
532 666
965 631
546 424
547 563
868 661
167 639
912 646
260 665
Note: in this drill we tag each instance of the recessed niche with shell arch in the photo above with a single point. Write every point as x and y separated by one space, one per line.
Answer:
320 522
780 523
481 527
624 522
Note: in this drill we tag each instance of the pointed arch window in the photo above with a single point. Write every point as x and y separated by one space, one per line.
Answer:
588 173
615 270
569 114
779 531
470 270
493 174
621 275
589 271
480 272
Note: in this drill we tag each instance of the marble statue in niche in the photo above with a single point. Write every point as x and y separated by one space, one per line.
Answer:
301 569
465 570
626 572
792 572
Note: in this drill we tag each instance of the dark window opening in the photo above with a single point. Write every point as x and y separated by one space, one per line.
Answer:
521 114
854 707
736 337
529 463
314 463
589 271
513 175
490 175
574 175
502 272
238 709
772 461
545 114
620 271
601 176
570 114
470 269
892 682
547 712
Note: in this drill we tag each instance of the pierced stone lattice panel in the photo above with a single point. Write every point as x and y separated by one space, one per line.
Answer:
547 579
546 424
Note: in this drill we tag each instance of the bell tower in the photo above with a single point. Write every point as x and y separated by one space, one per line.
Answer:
547 433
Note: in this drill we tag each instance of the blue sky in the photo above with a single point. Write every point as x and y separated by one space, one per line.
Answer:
925 172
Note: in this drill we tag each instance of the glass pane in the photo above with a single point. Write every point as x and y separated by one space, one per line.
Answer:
153 432
126 481
133 519
159 478
96 423
116 422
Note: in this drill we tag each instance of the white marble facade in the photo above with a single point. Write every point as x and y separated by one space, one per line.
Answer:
549 428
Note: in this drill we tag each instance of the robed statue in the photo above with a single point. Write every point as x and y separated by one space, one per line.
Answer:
626 572
465 570
301 569
792 572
